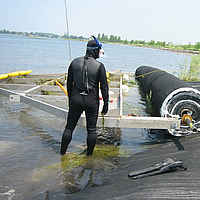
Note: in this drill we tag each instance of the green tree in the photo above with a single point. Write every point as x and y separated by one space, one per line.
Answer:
152 42
6 31
99 36
112 38
54 36
13 32
20 33
73 37
126 41
103 37
197 46
106 38
132 41
81 38
119 39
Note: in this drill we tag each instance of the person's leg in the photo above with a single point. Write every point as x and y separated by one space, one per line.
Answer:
91 142
91 117
66 139
73 117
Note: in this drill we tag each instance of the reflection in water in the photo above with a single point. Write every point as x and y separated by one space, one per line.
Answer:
6 192
109 136
80 171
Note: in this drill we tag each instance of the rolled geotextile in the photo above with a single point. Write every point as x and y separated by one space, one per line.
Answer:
171 96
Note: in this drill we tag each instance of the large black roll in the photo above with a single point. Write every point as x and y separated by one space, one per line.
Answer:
171 96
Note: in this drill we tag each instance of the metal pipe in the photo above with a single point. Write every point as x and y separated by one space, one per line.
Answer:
121 96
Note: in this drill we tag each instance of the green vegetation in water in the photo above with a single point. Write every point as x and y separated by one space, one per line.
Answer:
71 160
108 151
130 109
129 82
132 82
113 77
44 81
51 93
49 82
149 103
190 70
10 79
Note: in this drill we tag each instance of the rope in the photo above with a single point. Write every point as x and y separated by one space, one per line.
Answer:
68 30
142 75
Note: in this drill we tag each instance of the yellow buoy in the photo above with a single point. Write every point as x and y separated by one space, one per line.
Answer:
18 73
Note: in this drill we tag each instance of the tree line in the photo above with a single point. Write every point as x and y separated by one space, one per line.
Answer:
36 34
39 34
152 43
112 39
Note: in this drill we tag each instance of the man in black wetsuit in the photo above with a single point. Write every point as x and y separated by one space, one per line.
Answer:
84 76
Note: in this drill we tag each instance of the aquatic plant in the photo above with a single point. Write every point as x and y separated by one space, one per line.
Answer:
10 79
149 103
51 93
195 68
44 81
132 82
190 70
130 109
71 160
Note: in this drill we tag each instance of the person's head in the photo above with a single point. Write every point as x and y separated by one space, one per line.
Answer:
93 49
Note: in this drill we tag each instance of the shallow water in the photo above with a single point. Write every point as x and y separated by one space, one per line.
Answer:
30 138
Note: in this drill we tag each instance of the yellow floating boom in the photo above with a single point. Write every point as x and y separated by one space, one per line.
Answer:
18 73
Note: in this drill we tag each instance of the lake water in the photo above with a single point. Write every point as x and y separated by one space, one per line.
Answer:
30 139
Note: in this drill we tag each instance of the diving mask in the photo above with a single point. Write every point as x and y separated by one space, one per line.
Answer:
99 44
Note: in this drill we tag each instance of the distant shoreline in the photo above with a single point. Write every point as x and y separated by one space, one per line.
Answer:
177 51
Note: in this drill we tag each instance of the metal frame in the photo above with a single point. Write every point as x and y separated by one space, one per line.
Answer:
121 121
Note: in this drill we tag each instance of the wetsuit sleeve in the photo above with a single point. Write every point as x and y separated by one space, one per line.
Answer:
70 81
103 83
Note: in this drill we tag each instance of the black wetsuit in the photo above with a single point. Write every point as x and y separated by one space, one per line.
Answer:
83 91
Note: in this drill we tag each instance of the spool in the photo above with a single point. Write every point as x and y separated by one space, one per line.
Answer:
170 96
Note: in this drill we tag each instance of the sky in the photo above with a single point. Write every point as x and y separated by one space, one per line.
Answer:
175 21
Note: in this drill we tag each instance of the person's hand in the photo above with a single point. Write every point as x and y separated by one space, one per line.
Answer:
104 109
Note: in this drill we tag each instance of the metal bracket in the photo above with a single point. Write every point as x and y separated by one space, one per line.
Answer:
14 98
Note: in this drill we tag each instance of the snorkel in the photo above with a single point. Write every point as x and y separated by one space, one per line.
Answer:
102 53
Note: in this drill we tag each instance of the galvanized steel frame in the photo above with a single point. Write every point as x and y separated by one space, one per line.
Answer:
121 121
